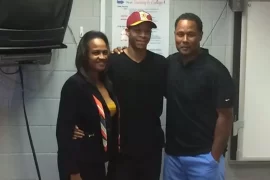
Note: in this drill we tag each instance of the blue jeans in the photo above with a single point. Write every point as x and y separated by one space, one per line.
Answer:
200 167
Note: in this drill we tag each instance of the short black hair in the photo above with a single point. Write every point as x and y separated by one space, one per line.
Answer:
191 17
81 60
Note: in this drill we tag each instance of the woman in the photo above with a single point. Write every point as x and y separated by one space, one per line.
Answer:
88 103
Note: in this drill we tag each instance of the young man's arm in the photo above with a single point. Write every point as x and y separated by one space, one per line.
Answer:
224 96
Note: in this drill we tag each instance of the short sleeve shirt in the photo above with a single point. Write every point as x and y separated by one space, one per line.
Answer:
194 93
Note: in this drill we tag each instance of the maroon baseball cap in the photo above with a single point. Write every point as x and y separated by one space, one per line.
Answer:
138 17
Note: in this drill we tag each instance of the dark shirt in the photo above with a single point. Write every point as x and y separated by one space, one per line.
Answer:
139 88
194 92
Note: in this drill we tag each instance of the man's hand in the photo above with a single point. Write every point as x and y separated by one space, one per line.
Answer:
118 50
215 156
75 177
78 133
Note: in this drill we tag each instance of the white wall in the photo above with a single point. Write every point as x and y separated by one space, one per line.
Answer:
254 84
43 85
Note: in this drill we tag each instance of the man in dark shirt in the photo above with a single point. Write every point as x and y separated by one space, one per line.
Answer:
138 76
200 96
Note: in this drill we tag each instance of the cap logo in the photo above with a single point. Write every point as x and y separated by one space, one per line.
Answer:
144 16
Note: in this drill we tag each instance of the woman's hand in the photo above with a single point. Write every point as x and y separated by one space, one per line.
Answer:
75 177
77 134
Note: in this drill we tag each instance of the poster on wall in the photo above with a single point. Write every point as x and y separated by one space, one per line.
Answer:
159 9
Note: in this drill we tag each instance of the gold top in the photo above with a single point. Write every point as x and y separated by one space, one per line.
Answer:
112 107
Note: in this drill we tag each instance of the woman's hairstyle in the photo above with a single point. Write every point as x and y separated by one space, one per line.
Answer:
81 60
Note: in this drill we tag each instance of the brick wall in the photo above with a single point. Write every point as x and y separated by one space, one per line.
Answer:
43 85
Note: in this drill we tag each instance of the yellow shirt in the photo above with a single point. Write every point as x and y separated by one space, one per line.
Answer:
112 107
110 103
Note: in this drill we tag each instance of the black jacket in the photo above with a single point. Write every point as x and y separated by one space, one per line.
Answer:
77 107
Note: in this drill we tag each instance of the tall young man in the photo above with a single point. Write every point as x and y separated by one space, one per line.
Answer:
200 95
139 79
